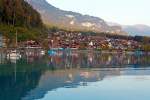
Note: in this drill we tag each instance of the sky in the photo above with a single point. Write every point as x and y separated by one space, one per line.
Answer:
125 12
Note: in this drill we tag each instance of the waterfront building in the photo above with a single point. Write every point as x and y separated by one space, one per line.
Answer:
2 41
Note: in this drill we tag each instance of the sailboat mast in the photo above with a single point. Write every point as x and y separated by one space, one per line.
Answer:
16 39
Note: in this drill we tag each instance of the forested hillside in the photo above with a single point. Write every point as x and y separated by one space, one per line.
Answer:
18 15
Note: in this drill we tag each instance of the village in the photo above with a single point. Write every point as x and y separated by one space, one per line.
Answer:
78 40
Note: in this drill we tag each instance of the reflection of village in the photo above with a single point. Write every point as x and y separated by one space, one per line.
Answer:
82 59
93 59
30 54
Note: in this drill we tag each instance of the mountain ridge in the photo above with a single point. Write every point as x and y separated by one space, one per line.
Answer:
138 29
134 30
72 20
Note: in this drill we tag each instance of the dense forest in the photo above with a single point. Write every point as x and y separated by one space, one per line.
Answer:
19 13
18 16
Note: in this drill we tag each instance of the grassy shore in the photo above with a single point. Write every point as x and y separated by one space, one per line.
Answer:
23 33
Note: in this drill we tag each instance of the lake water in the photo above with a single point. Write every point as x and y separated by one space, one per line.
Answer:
76 75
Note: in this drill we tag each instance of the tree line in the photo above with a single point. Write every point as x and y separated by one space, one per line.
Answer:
19 13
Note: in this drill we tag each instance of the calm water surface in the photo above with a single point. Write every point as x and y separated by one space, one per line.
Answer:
76 75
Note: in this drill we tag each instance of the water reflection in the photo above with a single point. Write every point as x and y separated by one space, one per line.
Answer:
54 81
91 59
41 77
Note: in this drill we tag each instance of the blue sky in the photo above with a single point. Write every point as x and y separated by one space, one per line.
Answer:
126 12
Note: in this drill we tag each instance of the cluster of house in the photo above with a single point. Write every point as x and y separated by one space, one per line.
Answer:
77 40
30 44
2 41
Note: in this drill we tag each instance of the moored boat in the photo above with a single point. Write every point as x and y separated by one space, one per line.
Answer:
13 54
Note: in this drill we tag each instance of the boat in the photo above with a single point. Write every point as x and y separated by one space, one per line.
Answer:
42 52
56 49
52 52
13 54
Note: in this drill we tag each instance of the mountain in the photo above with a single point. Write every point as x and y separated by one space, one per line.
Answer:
133 30
142 30
71 20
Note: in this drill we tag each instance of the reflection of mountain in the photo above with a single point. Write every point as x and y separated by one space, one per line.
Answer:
68 79
51 81
32 80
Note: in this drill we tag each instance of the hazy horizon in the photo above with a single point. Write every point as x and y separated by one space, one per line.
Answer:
125 12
